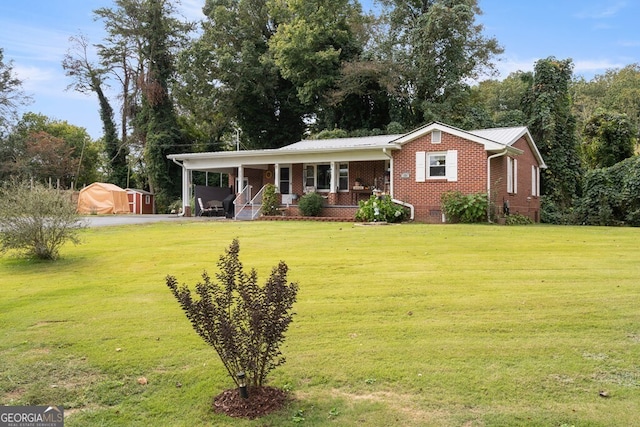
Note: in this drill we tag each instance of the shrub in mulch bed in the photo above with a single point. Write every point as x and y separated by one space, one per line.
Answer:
261 401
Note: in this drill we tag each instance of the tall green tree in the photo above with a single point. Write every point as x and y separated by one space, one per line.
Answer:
86 78
238 79
609 138
11 94
553 127
143 37
157 119
617 90
440 47
503 100
313 42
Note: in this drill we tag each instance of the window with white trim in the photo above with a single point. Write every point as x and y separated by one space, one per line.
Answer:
535 180
343 177
285 180
437 165
318 177
512 175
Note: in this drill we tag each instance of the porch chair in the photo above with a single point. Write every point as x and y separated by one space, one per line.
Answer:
204 211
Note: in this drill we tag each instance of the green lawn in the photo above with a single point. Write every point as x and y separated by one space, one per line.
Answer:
411 325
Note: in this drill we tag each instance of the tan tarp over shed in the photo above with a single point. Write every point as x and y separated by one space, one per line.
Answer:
103 198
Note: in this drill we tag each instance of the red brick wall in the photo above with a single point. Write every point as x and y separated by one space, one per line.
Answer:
425 196
522 202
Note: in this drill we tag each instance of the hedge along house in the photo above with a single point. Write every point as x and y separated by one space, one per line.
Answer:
415 169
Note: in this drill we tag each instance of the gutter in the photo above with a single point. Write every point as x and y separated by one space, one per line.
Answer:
396 201
506 150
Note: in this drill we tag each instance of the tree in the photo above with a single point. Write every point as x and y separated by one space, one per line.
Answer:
236 78
617 90
73 156
243 321
88 77
553 128
36 221
157 117
503 99
609 139
440 47
11 94
48 157
313 38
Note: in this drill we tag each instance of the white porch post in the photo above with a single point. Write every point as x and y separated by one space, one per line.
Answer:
276 177
186 191
334 177
240 183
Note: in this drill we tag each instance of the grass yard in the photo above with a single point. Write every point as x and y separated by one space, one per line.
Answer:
407 325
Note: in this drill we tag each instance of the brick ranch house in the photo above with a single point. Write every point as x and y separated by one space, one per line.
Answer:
414 169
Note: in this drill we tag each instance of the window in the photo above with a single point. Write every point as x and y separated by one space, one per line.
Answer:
318 177
147 199
535 180
310 176
512 175
439 165
343 177
285 180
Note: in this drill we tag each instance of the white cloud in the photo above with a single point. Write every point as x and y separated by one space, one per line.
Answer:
602 11
589 66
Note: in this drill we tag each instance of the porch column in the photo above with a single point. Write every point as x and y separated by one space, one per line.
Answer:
334 178
276 177
186 193
240 183
333 195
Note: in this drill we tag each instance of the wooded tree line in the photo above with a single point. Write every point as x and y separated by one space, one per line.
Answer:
272 72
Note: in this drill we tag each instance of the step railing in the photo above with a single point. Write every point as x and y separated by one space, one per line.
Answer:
247 208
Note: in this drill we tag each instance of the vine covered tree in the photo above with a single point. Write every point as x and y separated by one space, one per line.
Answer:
609 139
553 128
88 77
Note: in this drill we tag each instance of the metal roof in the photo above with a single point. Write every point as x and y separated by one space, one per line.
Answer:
341 143
505 136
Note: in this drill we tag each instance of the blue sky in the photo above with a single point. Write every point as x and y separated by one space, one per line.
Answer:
597 34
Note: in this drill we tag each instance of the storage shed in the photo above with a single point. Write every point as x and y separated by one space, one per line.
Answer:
140 201
103 198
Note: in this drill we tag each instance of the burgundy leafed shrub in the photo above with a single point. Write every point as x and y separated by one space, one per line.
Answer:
243 321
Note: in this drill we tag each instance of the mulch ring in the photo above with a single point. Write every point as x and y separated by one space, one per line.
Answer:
261 401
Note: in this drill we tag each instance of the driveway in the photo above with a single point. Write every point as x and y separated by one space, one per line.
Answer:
110 220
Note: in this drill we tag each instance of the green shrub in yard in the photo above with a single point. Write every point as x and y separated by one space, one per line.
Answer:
518 219
36 220
380 209
244 322
269 200
311 204
465 208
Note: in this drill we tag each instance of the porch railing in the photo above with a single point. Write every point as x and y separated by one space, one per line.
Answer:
247 208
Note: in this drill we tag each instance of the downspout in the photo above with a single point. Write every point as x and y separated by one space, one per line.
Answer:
399 202
489 179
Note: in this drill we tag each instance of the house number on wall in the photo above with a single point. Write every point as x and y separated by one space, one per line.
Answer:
405 175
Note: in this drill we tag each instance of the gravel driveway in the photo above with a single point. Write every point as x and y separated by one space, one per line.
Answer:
110 220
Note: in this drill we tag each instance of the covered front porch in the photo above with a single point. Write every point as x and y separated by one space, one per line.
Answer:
342 175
